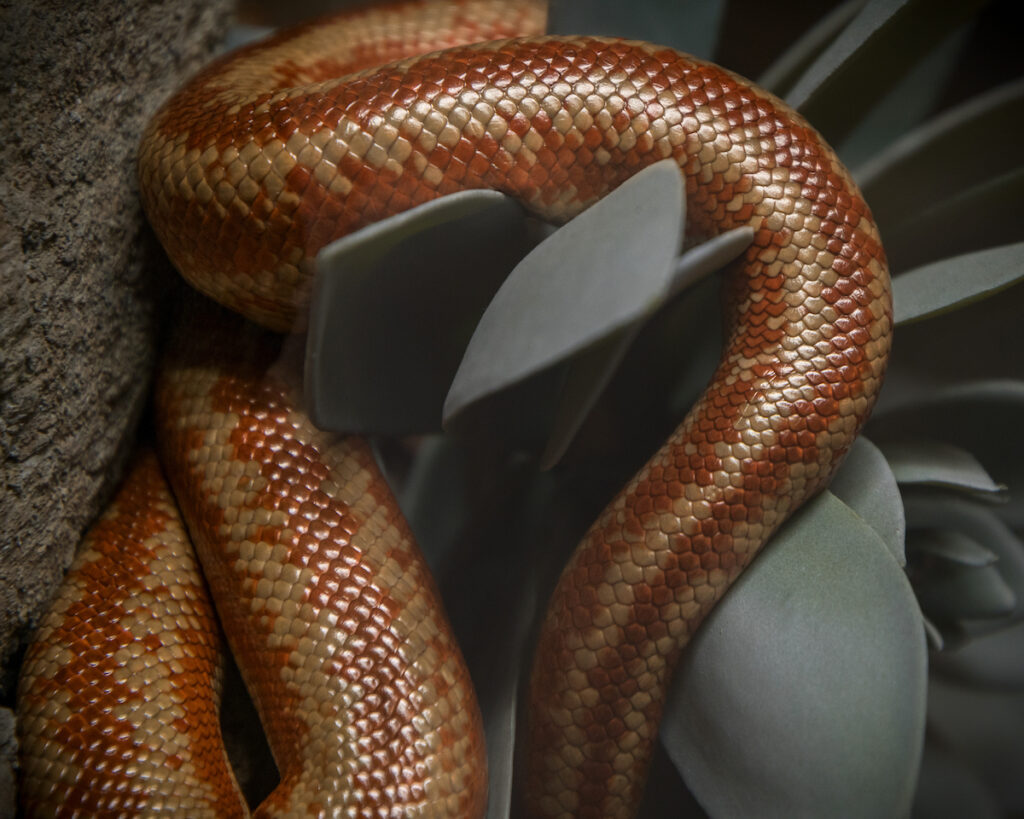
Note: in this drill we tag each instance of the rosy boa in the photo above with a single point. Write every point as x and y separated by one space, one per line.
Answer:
326 602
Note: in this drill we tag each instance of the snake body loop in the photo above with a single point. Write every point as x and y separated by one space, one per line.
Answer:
326 601
118 696
269 155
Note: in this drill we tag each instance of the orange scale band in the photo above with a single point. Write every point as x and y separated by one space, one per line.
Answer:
246 177
327 603
118 693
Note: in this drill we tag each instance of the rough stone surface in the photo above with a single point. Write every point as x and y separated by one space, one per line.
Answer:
82 279
8 747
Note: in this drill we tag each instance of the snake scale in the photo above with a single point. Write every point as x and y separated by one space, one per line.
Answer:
324 598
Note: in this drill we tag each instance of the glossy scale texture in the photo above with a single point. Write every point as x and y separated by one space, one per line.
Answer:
331 611
556 123
254 166
118 694
247 173
328 605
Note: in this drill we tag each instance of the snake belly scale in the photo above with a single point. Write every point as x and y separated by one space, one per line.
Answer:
270 154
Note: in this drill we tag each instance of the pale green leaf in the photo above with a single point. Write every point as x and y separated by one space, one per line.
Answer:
934 463
950 283
884 39
902 179
906 103
933 633
471 507
586 377
587 280
956 593
498 706
241 34
589 372
689 27
991 660
985 729
949 545
436 497
982 417
394 305
866 484
949 789
981 216
794 61
709 256
803 692
934 509
967 345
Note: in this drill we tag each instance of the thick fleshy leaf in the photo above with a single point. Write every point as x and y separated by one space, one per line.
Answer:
475 511
525 548
794 61
906 103
982 417
394 305
985 729
947 284
709 256
500 729
700 312
991 660
803 694
984 215
934 509
866 484
240 34
870 22
876 47
973 342
934 463
435 498
586 377
587 280
901 179
666 795
956 593
689 27
950 546
589 372
936 640
948 789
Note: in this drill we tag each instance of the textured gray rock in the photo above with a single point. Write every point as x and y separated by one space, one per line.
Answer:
82 279
8 748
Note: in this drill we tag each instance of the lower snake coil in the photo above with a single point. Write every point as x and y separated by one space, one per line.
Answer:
324 599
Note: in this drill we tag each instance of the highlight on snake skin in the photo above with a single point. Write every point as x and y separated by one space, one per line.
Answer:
324 599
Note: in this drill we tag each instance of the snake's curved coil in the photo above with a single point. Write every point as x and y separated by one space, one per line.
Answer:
269 155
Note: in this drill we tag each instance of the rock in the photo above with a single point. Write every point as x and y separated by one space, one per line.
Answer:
8 751
82 279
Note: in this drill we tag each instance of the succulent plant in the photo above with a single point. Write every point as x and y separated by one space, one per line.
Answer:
871 661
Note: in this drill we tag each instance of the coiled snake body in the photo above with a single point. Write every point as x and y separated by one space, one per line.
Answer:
258 163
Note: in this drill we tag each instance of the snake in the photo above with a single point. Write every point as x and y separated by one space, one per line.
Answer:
324 599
